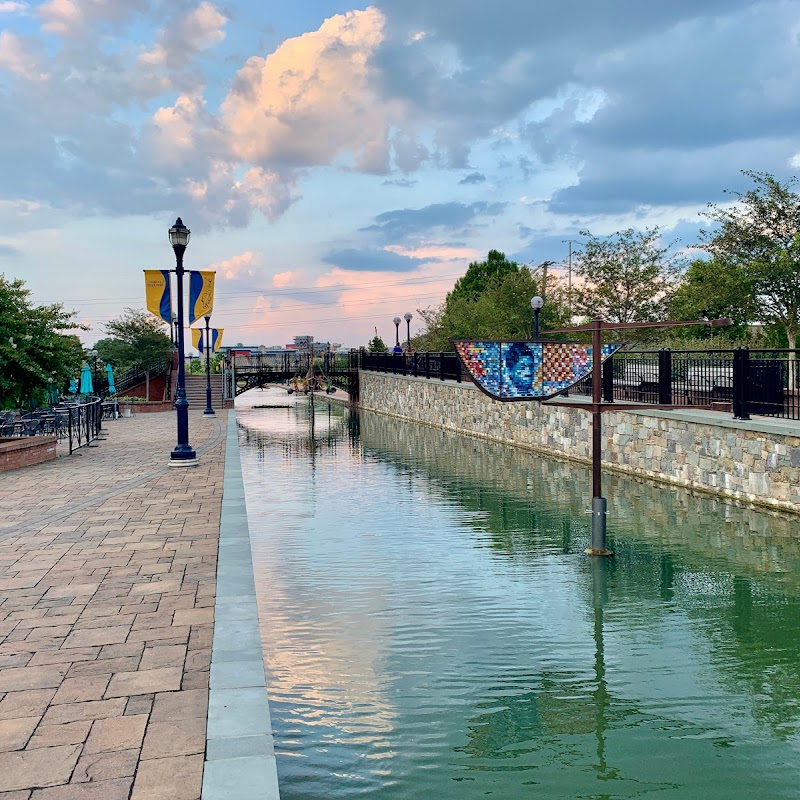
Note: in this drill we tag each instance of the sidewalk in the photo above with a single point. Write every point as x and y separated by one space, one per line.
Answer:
107 587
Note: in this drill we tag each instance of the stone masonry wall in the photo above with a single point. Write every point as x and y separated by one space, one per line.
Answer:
708 455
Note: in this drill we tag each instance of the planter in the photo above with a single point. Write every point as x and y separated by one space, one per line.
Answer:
16 453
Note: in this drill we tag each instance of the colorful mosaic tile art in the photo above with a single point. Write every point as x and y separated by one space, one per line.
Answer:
527 370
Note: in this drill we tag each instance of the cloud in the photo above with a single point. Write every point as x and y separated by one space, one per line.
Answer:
397 225
237 267
371 260
313 100
78 18
7 251
20 57
473 178
11 7
185 36
402 182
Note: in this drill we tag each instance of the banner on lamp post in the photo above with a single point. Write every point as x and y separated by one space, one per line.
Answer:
201 294
158 293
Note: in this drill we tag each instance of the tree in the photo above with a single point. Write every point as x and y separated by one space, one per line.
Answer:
628 276
710 289
36 352
137 340
376 344
482 274
501 311
760 237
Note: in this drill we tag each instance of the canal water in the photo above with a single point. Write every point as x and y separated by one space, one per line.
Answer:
432 628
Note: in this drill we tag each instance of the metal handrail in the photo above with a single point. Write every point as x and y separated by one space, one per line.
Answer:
85 424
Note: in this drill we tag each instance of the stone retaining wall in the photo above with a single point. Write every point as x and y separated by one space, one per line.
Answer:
16 453
707 451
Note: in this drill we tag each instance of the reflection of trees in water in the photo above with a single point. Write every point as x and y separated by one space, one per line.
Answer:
733 571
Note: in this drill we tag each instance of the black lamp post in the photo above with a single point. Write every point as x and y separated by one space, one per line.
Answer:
408 316
173 327
396 321
536 304
182 454
209 410
94 372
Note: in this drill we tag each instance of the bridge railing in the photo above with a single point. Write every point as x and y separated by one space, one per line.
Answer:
444 366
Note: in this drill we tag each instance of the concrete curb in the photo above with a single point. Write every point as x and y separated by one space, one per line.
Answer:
240 757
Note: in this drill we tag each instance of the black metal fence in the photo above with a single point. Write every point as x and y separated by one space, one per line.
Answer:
84 423
744 381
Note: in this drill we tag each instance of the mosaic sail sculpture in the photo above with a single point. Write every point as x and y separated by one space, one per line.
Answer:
526 370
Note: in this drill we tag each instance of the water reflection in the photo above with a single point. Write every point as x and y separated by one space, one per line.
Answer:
432 628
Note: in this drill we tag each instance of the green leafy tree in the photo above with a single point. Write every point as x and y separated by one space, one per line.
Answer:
137 340
36 350
710 289
760 238
628 276
501 311
376 344
482 274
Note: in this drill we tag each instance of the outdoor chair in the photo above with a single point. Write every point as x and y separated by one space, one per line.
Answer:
7 423
32 424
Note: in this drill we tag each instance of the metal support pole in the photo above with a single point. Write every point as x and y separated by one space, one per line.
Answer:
599 504
209 410
665 377
182 454
536 322
741 378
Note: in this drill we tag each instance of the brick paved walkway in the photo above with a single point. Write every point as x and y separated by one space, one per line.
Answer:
107 585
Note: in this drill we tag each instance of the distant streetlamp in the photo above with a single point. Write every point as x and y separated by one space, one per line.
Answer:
396 321
182 454
209 410
94 355
173 330
536 304
408 316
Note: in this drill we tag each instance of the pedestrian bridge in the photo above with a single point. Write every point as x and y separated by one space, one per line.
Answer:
255 371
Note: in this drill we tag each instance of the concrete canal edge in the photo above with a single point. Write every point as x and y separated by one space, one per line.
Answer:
240 757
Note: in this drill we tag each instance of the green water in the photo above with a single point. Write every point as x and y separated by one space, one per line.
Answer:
433 629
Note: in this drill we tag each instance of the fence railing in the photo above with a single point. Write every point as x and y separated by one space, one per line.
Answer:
84 424
744 381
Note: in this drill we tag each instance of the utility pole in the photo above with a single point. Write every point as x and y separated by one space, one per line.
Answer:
569 275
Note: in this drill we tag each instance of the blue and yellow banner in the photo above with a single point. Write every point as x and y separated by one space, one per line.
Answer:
216 339
198 339
158 293
201 294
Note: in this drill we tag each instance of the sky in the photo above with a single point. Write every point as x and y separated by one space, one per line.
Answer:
341 164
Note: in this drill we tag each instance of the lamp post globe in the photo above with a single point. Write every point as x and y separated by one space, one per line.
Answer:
182 454
536 304
396 321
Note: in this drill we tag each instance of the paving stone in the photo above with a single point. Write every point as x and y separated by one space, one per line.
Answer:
14 733
78 690
105 766
194 616
52 735
145 681
182 737
180 705
30 703
74 712
115 634
20 678
101 790
47 766
139 704
118 733
177 778
163 656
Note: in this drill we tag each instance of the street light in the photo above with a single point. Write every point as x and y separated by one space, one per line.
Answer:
536 304
396 321
182 454
94 355
173 327
408 316
209 410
